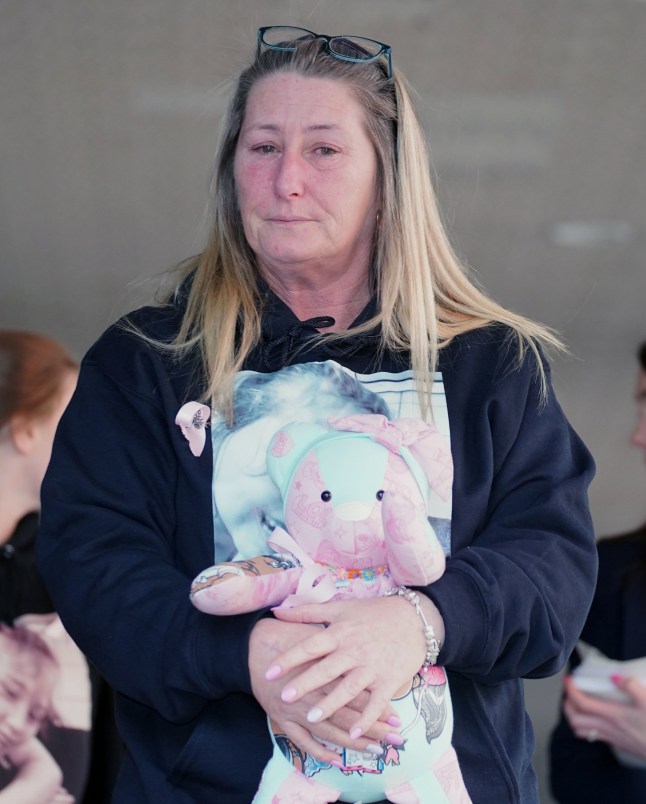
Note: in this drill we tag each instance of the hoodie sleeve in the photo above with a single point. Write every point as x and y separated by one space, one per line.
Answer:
521 577
126 524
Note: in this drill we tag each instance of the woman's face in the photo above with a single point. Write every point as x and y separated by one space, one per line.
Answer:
305 173
24 698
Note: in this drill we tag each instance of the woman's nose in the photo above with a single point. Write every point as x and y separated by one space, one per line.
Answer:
18 723
290 175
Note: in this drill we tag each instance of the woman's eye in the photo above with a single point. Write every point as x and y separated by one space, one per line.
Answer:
265 149
326 496
9 692
325 150
380 495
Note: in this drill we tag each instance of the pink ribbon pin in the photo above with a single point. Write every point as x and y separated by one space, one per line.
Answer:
192 419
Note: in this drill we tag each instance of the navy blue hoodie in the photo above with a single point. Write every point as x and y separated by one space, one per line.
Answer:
129 519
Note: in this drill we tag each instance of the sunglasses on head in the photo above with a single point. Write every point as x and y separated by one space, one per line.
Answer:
357 49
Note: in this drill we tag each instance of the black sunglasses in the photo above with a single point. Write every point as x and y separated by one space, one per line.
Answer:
347 47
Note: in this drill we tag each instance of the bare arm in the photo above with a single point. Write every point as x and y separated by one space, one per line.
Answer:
39 777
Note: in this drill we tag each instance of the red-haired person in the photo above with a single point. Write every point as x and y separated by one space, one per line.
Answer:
57 742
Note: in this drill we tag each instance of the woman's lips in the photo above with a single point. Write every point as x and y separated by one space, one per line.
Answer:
289 219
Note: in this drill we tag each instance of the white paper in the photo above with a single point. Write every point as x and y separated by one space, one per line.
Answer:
593 676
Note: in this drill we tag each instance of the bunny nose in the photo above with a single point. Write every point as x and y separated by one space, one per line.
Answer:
353 511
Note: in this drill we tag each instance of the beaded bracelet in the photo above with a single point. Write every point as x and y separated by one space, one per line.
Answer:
432 644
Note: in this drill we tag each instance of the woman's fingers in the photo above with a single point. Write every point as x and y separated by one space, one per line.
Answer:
368 718
388 717
346 690
622 724
337 728
345 719
313 613
308 743
368 647
292 717
337 738
324 665
325 740
635 688
368 653
61 796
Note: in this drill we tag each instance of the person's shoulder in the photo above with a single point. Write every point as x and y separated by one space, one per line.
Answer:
156 323
119 346
136 351
142 330
490 340
494 351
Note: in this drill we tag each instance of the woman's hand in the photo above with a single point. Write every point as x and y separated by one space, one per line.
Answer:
370 647
269 639
61 796
622 724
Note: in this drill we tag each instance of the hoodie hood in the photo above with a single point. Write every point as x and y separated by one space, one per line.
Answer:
286 340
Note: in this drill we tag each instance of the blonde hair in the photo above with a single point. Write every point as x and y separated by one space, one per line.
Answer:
425 296
34 658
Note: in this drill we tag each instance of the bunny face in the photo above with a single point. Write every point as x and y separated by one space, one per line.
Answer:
341 488
333 503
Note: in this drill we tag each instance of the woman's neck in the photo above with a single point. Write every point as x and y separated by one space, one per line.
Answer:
342 299
17 499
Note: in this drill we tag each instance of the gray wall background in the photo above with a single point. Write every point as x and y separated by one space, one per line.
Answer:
536 114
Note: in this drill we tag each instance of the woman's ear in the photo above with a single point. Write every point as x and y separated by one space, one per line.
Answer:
23 432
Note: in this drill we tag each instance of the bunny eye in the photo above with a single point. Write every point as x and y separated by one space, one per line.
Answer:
326 496
380 495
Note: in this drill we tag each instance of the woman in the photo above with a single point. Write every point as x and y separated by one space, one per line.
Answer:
598 749
326 249
37 378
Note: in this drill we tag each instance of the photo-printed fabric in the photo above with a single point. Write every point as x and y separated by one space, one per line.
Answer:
309 392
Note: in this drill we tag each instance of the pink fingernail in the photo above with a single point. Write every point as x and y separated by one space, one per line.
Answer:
273 672
288 694
393 720
616 678
337 764
355 733
394 739
314 715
